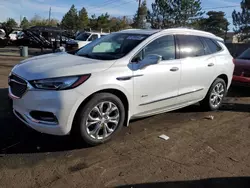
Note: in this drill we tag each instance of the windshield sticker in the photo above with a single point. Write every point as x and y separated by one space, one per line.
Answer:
135 37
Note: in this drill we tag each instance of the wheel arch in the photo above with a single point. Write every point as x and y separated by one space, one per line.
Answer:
224 77
120 94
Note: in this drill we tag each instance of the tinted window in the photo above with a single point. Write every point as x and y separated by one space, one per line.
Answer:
213 46
245 55
93 37
190 46
163 46
83 36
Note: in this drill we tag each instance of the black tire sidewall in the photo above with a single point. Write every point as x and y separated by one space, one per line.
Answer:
96 99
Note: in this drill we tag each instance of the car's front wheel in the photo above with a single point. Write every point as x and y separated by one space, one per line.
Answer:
100 118
215 95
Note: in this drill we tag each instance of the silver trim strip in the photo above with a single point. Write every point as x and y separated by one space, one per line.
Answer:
40 121
123 78
27 116
12 80
171 97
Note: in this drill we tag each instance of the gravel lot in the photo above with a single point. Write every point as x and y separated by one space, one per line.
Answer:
200 152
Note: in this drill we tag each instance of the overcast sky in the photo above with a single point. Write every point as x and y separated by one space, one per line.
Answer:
28 8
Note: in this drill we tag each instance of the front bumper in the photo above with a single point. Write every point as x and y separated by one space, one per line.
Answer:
63 104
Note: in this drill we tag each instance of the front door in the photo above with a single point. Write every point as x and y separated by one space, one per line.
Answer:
156 86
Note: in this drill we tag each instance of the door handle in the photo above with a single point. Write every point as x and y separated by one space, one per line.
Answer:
210 64
173 69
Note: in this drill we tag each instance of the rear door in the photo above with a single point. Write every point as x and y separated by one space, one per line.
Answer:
222 58
197 68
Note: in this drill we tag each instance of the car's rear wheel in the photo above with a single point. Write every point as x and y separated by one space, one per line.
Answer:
215 95
100 118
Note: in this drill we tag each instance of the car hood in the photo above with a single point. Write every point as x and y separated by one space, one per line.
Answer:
57 65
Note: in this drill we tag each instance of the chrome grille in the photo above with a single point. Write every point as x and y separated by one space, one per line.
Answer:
18 86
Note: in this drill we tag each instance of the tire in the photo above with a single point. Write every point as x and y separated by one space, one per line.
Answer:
208 104
109 101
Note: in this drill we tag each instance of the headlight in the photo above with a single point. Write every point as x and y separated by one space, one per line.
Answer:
61 83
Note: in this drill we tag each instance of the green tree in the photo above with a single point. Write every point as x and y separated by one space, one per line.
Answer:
216 23
117 24
141 16
162 14
175 13
103 22
24 23
70 19
83 19
9 25
53 22
93 22
186 11
39 21
241 20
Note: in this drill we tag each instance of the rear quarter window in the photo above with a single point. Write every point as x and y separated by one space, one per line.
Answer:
211 46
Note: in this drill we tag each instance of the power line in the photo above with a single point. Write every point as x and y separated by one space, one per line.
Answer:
49 14
108 2
139 3
212 8
118 5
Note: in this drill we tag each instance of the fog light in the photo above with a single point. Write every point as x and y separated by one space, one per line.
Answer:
44 116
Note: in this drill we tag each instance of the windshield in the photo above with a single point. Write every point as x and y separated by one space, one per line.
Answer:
245 54
112 46
83 36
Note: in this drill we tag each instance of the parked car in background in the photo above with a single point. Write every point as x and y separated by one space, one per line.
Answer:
83 39
3 39
14 35
2 34
241 75
94 91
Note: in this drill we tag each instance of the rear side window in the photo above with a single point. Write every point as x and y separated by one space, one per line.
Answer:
212 46
190 46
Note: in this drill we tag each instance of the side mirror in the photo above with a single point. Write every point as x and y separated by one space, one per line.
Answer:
150 60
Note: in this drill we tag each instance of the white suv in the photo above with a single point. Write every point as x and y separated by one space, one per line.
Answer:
130 74
83 39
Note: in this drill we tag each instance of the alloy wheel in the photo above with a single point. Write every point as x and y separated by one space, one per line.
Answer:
102 120
217 95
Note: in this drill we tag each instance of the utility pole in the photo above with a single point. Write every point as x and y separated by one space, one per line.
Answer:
49 13
20 20
139 5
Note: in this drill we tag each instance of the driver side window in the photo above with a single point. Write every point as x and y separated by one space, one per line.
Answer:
163 46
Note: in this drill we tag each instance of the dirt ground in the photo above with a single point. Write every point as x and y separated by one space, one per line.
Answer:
200 152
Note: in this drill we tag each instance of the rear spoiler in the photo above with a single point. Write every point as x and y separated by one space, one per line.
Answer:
219 39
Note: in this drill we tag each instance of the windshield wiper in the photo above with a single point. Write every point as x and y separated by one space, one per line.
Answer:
85 55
